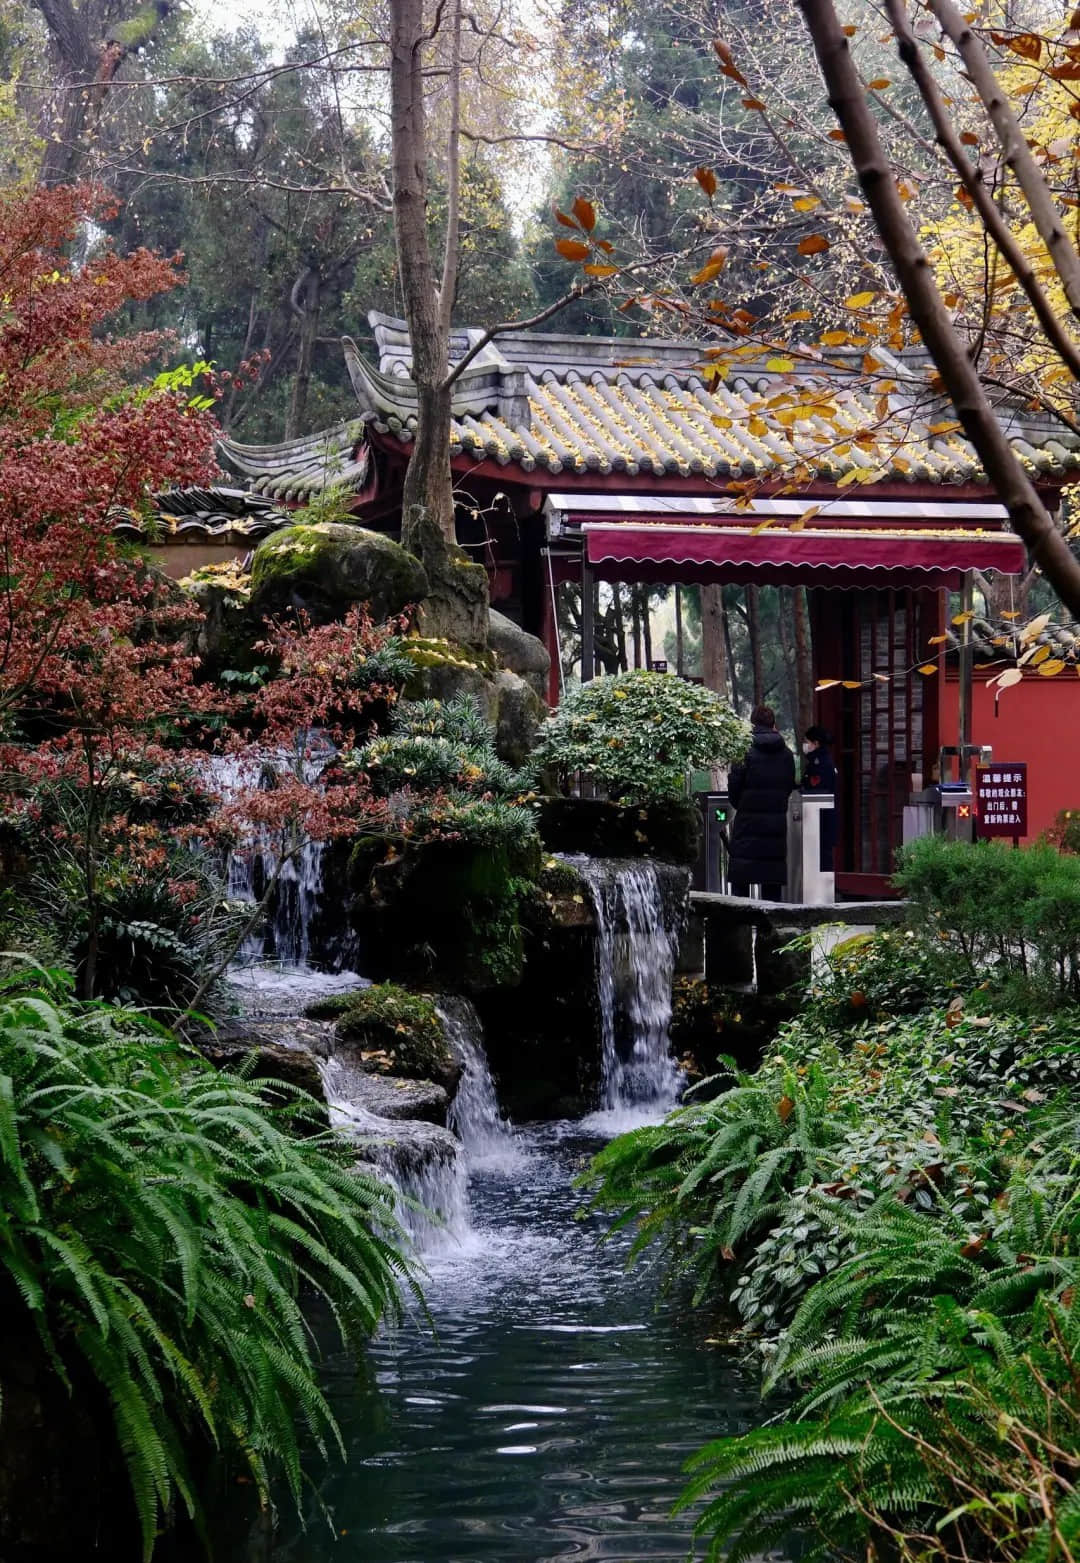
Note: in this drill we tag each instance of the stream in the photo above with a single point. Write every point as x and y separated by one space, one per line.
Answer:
543 1406
548 1412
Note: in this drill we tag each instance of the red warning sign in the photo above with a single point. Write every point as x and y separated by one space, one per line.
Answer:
1001 799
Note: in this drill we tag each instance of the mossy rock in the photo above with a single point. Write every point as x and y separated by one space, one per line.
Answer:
395 1032
669 829
326 568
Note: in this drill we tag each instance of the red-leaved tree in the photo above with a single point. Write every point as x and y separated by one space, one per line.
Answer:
101 707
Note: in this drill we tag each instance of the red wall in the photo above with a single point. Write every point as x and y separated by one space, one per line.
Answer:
1038 721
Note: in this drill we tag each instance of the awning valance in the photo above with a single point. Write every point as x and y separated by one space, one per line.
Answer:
817 556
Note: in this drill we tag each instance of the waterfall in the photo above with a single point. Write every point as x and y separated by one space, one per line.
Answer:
423 1163
475 1116
284 937
636 944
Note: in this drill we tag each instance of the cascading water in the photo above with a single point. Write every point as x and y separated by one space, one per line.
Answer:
422 1162
475 1116
636 944
284 935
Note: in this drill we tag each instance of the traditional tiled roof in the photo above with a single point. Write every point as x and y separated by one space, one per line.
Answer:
230 515
589 405
295 470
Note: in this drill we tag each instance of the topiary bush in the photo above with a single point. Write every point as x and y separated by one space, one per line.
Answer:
636 735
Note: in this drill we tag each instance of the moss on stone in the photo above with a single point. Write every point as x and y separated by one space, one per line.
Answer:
326 568
396 1031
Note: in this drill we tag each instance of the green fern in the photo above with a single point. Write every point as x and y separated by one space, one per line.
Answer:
158 1220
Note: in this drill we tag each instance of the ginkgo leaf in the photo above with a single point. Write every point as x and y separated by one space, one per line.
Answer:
1035 626
572 249
813 244
962 618
927 668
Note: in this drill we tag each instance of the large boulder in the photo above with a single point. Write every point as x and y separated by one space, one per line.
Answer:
519 651
518 713
329 566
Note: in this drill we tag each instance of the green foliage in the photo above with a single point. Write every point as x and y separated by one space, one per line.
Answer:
400 1032
637 734
996 914
157 1223
889 1205
436 745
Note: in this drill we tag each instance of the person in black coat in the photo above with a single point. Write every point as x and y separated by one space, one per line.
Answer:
759 788
819 776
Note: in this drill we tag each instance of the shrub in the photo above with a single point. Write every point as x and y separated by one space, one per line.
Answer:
637 734
435 745
990 912
940 1419
157 1221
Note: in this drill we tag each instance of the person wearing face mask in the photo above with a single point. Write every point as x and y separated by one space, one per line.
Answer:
819 776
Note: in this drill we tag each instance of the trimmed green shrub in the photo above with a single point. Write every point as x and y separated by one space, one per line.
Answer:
994 913
157 1222
637 734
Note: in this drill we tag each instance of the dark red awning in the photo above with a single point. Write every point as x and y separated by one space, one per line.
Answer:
854 556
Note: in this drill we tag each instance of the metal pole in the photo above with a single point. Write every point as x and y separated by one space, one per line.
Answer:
588 623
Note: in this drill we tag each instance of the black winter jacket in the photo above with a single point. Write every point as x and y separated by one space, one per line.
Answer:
759 788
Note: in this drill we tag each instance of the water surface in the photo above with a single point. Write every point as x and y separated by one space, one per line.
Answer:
548 1415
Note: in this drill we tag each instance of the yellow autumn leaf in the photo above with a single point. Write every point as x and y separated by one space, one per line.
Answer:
860 300
1054 665
780 365
927 668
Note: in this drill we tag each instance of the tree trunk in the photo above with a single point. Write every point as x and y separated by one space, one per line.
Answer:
733 667
620 625
86 57
713 651
646 625
784 617
753 626
680 661
428 501
804 659
959 376
635 610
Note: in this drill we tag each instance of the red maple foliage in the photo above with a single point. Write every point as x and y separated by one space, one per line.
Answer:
99 693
